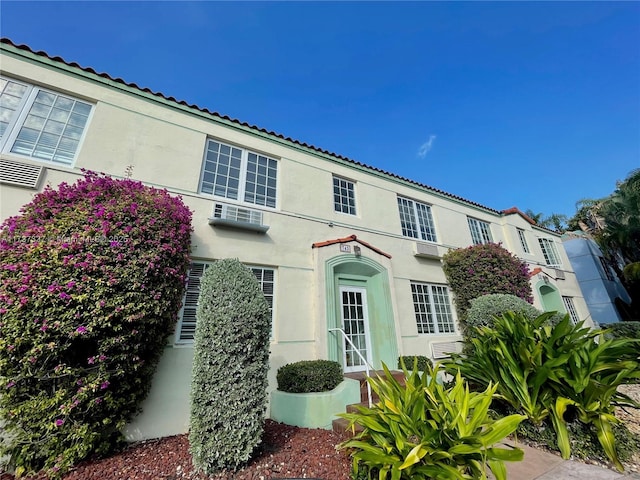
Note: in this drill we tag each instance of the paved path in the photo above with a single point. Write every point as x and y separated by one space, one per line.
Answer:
541 465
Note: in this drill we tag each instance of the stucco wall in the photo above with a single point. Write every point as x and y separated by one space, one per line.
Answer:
163 144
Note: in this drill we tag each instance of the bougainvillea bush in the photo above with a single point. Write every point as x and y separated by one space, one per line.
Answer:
483 269
91 281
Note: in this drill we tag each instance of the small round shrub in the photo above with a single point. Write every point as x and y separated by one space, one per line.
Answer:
423 363
230 365
309 376
483 269
91 281
484 308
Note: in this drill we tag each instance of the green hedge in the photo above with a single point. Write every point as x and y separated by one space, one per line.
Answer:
230 365
309 376
423 363
623 329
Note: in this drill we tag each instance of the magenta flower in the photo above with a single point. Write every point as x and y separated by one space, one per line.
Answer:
104 385
81 330
11 384
59 422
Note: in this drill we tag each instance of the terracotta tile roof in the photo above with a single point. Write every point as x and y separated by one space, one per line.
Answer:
535 271
90 70
515 210
350 238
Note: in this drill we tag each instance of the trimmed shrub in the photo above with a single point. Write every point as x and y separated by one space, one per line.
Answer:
483 269
91 281
423 363
230 365
483 309
309 376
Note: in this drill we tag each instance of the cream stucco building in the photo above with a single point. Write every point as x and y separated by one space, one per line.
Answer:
334 243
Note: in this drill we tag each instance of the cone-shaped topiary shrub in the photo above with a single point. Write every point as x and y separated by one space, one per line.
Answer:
91 280
231 360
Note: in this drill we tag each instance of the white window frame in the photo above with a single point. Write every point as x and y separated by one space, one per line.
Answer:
190 298
262 194
550 253
416 220
523 241
480 231
344 195
432 317
570 307
60 130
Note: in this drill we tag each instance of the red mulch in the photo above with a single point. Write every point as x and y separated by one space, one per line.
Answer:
285 452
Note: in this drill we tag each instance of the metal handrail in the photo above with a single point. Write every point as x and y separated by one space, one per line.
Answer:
366 364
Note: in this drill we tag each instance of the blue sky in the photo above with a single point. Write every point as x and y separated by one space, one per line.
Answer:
534 105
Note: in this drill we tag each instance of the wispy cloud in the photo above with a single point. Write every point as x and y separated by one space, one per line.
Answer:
426 146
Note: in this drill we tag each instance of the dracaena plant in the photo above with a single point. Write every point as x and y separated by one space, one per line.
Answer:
544 370
425 430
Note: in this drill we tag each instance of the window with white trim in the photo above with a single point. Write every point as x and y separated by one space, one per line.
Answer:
523 241
39 123
549 251
416 220
187 318
239 174
432 307
571 309
480 231
344 196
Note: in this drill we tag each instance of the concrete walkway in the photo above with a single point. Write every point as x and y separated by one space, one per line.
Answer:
541 465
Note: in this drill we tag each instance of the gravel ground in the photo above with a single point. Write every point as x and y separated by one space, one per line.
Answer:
285 452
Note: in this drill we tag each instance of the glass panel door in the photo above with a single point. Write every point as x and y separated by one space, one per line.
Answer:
355 322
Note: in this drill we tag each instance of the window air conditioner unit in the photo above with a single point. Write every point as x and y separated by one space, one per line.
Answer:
442 350
559 274
237 217
20 174
426 250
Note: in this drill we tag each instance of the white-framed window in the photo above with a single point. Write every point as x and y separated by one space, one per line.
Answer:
239 174
344 196
39 123
186 329
550 253
605 267
523 241
416 220
571 309
432 306
480 231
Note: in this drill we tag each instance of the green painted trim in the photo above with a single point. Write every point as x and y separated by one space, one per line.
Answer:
313 410
138 92
552 300
349 270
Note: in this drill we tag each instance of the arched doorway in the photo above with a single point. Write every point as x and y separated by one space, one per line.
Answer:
358 300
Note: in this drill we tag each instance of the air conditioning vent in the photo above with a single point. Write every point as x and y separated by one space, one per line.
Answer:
20 174
444 349
559 274
237 217
426 250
